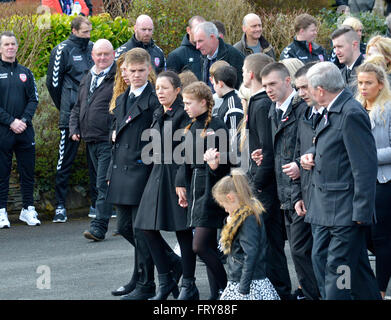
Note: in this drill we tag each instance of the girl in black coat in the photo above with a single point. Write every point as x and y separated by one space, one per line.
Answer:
243 238
195 179
159 208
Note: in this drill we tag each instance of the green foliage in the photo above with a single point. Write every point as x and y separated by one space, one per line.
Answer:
39 34
373 23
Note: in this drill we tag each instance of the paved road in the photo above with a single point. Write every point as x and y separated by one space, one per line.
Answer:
74 267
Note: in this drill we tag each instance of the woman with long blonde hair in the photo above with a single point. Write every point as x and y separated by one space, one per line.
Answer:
375 95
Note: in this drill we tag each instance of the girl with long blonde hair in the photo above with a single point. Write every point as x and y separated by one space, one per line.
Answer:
243 239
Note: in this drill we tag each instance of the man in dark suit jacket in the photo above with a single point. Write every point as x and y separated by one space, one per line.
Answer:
346 43
341 205
127 174
284 115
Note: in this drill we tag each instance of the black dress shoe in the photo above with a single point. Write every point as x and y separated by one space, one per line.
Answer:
126 289
139 294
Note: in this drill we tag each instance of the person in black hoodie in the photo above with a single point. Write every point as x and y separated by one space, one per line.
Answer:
90 120
142 38
187 57
257 129
18 102
69 62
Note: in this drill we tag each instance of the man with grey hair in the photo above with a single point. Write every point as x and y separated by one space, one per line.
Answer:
252 40
343 162
187 57
213 48
346 43
142 38
90 120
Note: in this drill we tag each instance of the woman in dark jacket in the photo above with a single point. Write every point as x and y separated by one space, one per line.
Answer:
243 239
195 180
159 208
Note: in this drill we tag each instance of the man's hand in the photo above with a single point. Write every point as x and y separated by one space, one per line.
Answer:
300 208
212 158
291 170
18 126
181 193
257 156
76 137
307 161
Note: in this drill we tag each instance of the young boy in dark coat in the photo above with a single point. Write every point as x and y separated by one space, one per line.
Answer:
127 174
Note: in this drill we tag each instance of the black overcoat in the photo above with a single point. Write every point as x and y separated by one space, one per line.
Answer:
127 173
159 208
196 176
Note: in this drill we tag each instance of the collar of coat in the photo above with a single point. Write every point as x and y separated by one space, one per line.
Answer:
232 226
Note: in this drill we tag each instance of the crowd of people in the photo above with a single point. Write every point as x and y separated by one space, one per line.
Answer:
230 149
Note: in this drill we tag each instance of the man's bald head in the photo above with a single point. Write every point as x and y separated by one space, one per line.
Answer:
252 26
103 54
143 29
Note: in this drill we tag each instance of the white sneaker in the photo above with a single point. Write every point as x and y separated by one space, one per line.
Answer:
4 222
29 216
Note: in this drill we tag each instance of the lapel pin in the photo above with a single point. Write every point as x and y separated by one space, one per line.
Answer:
129 118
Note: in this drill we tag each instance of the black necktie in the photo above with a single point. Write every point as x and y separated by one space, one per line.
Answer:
278 116
130 102
94 84
315 119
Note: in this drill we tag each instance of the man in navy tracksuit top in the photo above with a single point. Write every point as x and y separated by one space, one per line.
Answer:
18 102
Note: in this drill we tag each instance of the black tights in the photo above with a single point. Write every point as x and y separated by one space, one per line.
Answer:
158 248
205 246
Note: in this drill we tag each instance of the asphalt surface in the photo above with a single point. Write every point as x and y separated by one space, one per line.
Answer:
55 262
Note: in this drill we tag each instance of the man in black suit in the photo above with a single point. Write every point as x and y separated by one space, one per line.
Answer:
284 115
341 206
127 174
346 43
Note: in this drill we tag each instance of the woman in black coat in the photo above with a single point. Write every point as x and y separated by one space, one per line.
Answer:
195 180
159 208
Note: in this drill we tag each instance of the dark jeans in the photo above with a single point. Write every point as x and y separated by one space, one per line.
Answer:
100 155
341 265
300 241
24 147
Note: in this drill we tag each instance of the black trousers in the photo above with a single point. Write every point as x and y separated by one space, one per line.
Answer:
300 241
277 266
67 151
143 269
381 235
341 265
23 145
